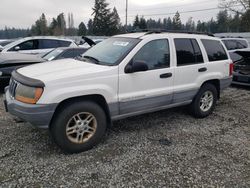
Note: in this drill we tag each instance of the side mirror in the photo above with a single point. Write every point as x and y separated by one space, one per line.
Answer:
17 48
136 66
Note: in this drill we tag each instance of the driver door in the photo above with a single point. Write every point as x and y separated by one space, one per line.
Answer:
140 91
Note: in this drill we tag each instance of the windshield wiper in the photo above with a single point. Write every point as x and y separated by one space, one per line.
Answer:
91 58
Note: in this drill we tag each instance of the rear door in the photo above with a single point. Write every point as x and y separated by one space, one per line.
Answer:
190 65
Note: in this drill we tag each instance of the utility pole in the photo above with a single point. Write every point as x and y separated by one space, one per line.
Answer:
126 21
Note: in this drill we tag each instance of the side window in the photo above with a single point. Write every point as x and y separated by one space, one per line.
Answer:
64 43
155 54
48 43
230 44
27 45
215 50
188 52
68 54
80 51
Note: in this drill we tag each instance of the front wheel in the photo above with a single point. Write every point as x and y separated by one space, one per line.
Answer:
79 126
204 102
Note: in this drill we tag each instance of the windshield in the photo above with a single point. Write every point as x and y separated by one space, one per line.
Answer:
52 55
111 50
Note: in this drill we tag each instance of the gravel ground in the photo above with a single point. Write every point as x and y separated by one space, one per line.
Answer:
168 148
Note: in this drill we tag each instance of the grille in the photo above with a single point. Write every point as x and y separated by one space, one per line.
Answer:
12 87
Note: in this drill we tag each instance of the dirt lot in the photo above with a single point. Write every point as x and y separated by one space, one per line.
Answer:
168 148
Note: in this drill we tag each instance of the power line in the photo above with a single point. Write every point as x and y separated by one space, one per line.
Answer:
181 12
172 6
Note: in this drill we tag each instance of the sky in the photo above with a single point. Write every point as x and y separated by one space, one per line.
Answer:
24 13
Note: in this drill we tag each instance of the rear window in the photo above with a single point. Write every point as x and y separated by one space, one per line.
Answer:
215 50
235 44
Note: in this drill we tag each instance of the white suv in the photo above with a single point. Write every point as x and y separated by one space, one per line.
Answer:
37 45
123 76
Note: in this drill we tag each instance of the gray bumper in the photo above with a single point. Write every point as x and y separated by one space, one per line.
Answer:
37 114
241 79
226 82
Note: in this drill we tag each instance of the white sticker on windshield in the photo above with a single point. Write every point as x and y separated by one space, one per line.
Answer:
120 43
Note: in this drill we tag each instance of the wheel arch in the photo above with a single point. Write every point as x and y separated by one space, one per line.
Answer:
98 99
216 83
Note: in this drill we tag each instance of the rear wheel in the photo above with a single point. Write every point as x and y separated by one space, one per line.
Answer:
204 102
79 126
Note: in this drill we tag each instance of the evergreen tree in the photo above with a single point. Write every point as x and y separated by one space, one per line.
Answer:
223 20
115 23
82 30
142 23
40 27
169 24
90 27
177 22
102 16
136 24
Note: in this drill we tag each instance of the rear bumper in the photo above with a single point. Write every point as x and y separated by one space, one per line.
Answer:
241 79
226 82
37 114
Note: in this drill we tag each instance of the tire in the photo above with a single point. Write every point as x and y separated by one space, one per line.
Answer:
206 92
79 126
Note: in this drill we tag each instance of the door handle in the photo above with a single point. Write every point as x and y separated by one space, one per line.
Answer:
203 69
166 75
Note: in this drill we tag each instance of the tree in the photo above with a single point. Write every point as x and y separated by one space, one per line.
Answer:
142 23
237 6
115 23
190 25
82 30
136 24
102 16
40 27
223 21
90 27
177 21
61 24
245 21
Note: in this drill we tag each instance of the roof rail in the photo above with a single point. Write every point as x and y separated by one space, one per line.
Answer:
155 31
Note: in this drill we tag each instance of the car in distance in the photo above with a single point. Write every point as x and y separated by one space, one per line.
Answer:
123 76
241 73
4 43
233 44
37 45
10 62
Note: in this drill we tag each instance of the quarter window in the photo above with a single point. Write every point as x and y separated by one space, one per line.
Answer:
215 50
155 54
188 52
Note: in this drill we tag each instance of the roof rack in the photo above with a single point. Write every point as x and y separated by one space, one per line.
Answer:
157 31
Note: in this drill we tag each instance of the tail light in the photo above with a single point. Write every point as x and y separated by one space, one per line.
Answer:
231 68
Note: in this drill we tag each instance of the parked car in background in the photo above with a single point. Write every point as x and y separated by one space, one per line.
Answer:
10 62
233 44
123 76
5 42
37 45
241 74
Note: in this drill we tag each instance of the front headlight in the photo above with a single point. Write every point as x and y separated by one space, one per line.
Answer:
28 94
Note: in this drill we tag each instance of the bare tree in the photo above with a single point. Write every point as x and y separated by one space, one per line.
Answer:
237 6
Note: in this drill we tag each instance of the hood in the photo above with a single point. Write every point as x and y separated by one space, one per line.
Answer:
15 58
63 70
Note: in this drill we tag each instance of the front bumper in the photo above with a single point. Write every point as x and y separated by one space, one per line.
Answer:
39 115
